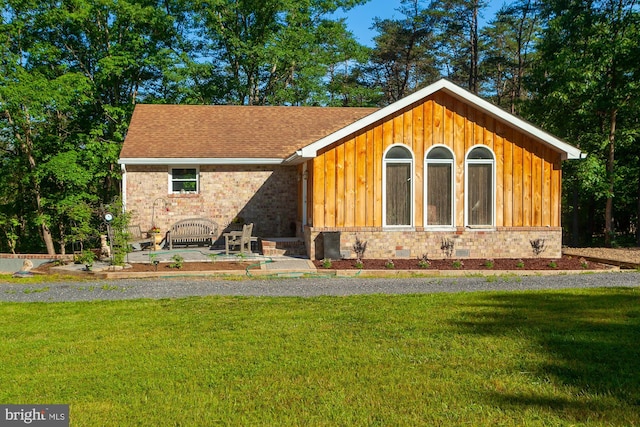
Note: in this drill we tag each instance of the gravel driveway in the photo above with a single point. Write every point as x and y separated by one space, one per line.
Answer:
307 287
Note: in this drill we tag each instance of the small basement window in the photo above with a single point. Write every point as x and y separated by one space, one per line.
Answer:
183 180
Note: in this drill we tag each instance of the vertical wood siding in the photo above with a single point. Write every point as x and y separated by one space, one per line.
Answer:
346 183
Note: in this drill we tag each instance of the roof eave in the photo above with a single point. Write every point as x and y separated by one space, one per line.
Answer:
198 161
568 151
298 157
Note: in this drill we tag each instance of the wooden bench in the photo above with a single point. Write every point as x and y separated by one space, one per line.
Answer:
192 231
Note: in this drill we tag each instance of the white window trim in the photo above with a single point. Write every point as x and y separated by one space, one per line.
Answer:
384 188
425 210
492 162
170 178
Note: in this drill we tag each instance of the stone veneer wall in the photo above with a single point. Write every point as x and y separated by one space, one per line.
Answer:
502 243
264 195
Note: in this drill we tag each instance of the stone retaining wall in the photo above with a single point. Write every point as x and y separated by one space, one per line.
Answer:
467 243
10 263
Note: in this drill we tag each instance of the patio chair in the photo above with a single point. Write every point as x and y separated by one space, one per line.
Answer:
136 239
242 239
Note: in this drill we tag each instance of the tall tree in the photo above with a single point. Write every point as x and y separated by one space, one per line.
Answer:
403 58
587 87
71 72
458 26
271 51
509 42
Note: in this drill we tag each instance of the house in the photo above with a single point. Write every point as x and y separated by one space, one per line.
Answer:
439 167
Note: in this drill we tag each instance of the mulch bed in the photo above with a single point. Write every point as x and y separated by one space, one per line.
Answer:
165 267
189 266
564 263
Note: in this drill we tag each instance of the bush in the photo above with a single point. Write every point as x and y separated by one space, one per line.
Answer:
178 261
423 261
87 257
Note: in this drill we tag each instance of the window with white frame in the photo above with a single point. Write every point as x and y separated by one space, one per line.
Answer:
439 192
480 185
183 180
398 187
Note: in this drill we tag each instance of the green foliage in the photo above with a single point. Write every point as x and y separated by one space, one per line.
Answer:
404 57
281 53
154 260
509 53
178 261
9 225
71 74
119 226
586 91
326 263
457 23
423 261
87 257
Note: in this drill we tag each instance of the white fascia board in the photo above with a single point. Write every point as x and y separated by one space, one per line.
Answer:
297 158
569 151
198 161
311 150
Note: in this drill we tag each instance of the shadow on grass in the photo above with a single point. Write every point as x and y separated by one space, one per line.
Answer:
588 346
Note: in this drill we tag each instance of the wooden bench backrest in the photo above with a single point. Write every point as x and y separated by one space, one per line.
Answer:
134 235
194 227
135 232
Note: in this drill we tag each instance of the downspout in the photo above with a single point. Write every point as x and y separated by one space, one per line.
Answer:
124 187
305 177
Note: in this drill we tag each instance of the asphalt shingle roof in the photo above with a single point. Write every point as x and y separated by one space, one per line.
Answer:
206 131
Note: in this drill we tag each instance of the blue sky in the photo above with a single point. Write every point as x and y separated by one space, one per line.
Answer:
360 18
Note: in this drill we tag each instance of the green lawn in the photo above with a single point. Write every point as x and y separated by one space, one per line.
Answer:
529 358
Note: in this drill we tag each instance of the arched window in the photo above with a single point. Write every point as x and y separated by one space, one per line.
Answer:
480 185
398 187
440 187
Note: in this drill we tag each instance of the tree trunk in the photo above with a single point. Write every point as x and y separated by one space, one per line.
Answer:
473 71
608 213
27 148
47 238
638 216
575 218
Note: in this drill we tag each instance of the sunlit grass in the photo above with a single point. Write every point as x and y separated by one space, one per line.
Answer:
38 279
530 358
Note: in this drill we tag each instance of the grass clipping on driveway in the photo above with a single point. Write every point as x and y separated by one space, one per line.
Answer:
529 358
